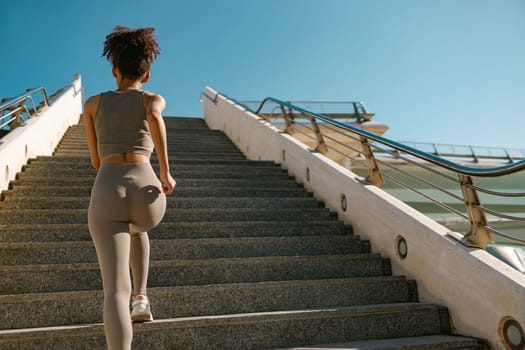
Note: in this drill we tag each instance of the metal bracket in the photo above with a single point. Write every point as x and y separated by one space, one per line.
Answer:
289 119
374 175
321 145
478 236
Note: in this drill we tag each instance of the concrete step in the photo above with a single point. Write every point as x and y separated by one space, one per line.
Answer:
178 141
180 191
171 128
430 342
212 145
55 309
179 230
170 131
174 158
33 202
173 135
72 216
186 145
193 136
84 162
178 122
71 252
180 171
187 128
189 138
173 155
249 331
173 148
181 183
166 273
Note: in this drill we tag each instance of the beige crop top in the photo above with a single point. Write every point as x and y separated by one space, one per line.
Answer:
121 125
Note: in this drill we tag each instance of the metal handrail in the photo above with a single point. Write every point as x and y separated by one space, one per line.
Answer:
17 105
334 109
479 234
474 152
449 165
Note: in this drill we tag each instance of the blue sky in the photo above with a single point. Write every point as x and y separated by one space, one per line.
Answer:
448 71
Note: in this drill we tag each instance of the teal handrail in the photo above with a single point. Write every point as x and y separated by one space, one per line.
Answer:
440 161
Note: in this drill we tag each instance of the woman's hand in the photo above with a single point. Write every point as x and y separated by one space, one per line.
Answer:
168 183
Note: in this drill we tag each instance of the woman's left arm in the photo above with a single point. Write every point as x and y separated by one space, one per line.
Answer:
90 108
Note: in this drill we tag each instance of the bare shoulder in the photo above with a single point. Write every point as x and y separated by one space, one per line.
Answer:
91 104
92 100
153 96
154 100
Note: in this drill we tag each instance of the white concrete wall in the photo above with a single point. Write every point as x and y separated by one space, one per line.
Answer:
478 289
41 134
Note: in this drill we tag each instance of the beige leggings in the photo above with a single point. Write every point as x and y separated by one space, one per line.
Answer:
126 202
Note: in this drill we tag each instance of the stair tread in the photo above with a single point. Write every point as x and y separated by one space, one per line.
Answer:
209 320
27 253
392 343
202 262
50 309
180 241
268 223
19 279
158 291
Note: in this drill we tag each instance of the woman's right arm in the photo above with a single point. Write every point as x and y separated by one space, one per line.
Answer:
90 108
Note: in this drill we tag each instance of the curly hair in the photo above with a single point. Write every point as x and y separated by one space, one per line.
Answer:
131 51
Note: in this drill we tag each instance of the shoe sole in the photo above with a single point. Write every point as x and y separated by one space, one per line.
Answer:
141 318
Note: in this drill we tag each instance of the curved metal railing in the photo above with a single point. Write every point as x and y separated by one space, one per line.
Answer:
471 153
15 111
453 191
341 110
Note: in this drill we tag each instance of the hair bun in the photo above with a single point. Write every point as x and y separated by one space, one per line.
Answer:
131 51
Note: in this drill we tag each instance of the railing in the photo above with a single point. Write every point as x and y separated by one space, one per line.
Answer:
475 154
15 111
347 110
339 140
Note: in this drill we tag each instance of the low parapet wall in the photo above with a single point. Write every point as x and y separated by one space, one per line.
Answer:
480 291
40 135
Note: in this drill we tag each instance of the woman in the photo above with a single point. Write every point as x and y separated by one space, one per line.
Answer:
127 200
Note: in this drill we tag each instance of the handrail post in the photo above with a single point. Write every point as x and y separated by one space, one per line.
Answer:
358 117
16 120
45 98
288 119
321 145
374 175
478 235
18 110
509 157
436 152
474 156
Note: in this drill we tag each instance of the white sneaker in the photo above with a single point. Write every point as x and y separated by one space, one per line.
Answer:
140 310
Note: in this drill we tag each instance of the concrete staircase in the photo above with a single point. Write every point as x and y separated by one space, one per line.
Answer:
245 259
